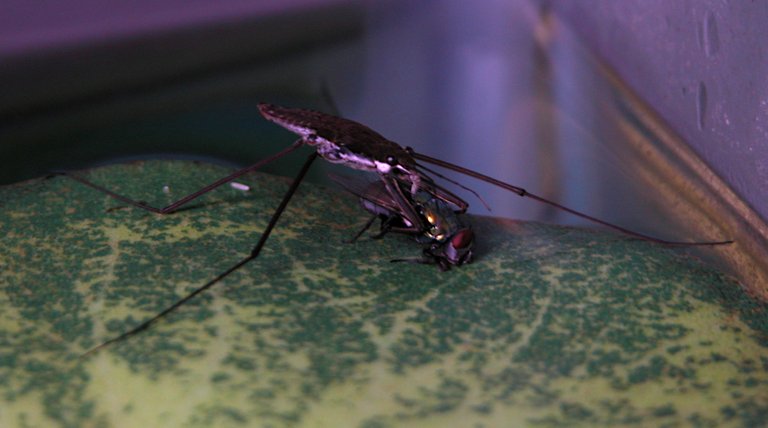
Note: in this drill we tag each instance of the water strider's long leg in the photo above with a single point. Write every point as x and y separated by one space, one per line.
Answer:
522 192
194 195
254 253
448 196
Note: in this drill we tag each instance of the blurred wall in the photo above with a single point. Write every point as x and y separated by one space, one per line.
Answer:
489 85
455 79
703 65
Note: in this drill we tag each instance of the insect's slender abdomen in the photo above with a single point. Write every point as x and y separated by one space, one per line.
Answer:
342 140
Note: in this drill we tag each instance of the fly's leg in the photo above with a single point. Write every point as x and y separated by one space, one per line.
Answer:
427 259
253 254
386 227
176 205
366 226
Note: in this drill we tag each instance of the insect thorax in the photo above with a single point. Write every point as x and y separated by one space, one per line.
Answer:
335 154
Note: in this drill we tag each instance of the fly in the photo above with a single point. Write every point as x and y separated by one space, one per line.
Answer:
447 238
408 186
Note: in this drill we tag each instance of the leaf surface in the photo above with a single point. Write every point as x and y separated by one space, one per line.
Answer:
550 326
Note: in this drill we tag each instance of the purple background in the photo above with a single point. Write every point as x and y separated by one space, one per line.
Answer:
459 80
703 65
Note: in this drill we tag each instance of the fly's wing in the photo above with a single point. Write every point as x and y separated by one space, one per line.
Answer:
372 191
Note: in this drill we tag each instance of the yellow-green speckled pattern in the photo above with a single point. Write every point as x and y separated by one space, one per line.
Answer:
550 326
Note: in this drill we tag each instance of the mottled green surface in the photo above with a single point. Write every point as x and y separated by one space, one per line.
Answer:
551 326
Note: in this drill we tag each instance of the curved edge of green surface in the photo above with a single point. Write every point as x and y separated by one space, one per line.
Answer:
550 326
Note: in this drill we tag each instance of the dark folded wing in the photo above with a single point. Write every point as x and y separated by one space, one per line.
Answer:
372 191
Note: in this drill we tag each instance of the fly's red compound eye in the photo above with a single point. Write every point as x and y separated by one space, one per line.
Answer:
462 239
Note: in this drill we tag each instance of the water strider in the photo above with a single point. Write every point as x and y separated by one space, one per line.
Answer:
407 188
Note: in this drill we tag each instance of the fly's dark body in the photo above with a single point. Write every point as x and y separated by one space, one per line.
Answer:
447 237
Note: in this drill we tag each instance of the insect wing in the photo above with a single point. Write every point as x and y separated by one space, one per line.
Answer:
342 140
373 192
